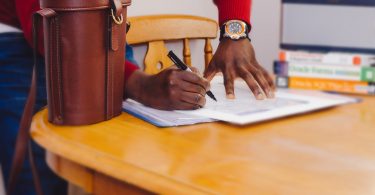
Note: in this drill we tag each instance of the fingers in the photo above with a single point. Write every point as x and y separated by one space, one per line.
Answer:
252 83
255 77
190 87
194 79
265 80
193 99
195 70
182 100
186 106
186 90
229 86
263 83
268 78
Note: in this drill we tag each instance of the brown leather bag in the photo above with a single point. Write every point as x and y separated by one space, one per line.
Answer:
84 48
84 52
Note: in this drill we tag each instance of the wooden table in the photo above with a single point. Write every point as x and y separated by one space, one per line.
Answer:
326 152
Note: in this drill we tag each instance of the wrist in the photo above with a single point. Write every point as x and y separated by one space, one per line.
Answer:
135 84
227 41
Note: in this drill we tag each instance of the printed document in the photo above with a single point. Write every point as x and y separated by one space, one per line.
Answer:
244 109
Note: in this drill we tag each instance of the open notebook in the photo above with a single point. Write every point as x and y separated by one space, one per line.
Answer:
245 109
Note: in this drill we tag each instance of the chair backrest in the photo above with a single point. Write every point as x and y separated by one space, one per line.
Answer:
154 30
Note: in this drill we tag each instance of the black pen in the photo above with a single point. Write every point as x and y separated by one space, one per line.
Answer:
183 66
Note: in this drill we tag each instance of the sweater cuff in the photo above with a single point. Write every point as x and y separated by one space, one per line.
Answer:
234 10
129 69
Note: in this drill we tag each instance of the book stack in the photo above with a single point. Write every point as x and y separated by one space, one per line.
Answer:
334 72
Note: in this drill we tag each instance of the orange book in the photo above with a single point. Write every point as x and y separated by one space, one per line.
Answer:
357 87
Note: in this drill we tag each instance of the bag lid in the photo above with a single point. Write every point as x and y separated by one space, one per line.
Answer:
73 5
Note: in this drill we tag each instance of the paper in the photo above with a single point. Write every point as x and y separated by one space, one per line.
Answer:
244 103
162 118
244 109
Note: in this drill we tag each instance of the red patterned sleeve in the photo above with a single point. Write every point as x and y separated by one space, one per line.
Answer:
25 10
233 9
129 69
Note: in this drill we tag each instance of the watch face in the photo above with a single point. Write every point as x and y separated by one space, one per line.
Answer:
235 28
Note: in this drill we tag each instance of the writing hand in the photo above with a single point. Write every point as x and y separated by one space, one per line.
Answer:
171 89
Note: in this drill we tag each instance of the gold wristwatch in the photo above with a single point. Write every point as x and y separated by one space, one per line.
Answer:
235 30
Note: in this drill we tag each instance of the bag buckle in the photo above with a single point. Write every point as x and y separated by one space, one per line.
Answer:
117 20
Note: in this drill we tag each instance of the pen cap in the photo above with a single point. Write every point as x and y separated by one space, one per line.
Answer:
177 60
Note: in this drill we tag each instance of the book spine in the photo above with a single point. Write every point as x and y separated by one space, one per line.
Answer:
280 68
327 58
353 87
350 73
368 74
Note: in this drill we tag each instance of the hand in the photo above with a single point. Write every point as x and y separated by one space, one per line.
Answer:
171 89
237 59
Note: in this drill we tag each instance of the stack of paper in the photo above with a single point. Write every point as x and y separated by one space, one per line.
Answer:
245 109
162 118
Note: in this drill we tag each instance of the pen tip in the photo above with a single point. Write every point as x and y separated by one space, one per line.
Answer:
211 95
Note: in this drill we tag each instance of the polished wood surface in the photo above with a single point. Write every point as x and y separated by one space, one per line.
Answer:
325 152
155 30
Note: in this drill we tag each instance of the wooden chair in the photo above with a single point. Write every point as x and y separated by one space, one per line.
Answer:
156 29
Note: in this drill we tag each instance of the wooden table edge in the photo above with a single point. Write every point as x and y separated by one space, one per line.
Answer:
153 182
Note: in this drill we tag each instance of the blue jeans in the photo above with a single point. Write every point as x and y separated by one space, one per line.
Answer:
16 60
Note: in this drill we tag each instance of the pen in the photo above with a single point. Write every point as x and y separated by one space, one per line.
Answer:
183 66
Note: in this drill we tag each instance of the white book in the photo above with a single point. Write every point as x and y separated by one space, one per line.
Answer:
309 70
336 58
245 109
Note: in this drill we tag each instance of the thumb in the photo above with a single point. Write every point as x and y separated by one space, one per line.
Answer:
210 72
195 70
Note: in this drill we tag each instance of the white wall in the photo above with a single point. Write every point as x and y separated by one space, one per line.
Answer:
265 20
266 30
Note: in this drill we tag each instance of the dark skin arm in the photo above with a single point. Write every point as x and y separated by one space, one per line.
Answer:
237 59
171 89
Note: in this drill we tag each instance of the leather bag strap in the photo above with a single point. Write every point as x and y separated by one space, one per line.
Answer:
116 6
23 137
